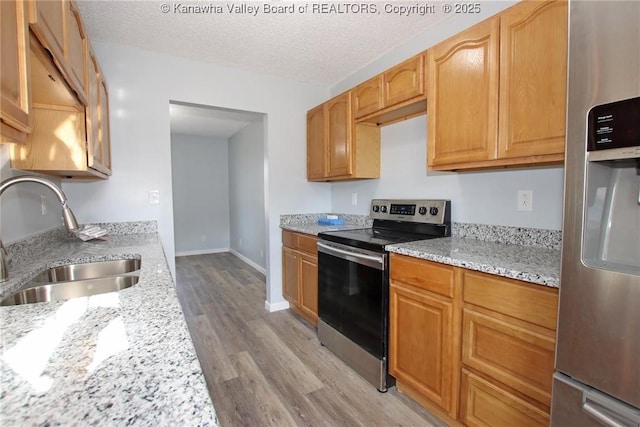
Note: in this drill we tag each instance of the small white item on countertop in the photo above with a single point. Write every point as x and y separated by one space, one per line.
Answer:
332 216
90 232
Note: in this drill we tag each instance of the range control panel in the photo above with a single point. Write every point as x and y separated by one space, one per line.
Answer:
412 210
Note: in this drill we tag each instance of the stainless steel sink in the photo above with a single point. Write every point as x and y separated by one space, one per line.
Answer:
77 280
88 270
66 290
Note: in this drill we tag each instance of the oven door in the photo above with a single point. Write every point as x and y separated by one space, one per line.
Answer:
353 294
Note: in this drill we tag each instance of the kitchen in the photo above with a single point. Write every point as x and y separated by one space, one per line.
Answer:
141 150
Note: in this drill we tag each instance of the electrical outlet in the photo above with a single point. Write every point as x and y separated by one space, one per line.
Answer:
154 197
525 200
354 199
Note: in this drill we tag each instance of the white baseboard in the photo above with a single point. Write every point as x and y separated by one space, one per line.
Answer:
202 252
248 261
282 305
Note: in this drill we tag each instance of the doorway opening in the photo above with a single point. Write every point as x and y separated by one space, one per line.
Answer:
219 175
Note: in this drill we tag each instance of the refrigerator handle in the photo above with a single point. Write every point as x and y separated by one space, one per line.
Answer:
608 415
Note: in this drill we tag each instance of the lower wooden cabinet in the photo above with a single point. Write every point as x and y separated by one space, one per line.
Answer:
300 274
475 348
482 403
423 348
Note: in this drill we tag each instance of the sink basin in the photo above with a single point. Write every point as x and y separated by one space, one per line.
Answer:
89 270
72 289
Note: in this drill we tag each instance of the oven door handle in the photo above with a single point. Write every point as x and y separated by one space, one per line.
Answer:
369 260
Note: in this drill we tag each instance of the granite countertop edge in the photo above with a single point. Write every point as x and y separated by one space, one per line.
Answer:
530 264
119 358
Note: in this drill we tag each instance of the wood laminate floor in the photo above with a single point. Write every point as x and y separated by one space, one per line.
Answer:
269 369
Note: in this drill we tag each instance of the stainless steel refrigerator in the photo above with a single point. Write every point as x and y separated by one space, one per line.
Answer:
597 379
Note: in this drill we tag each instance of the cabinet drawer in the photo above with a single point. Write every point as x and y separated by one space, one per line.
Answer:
514 355
301 242
431 276
529 302
483 403
307 243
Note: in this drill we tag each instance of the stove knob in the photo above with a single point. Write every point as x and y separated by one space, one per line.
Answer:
376 208
383 209
433 211
422 210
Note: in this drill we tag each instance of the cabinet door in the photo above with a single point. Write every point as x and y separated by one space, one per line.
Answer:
367 97
105 130
533 79
420 347
308 298
339 134
316 144
97 119
75 51
14 72
404 81
47 21
290 275
463 96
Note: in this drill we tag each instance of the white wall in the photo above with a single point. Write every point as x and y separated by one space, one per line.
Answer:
246 189
141 84
21 206
200 177
476 197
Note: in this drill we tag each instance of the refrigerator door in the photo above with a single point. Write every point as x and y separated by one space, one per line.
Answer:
598 336
579 405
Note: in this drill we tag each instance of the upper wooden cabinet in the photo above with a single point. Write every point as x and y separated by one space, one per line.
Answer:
367 97
398 93
533 79
463 97
497 91
316 152
58 27
75 50
403 82
337 148
47 19
69 105
15 120
97 118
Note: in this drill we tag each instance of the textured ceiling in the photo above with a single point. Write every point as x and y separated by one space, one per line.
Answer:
322 44
319 48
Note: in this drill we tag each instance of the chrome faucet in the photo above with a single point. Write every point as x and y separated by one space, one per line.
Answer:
67 215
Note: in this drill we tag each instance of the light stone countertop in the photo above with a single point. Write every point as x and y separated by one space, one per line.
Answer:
530 255
527 263
123 358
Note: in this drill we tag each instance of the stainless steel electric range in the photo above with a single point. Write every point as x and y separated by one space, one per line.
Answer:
353 281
